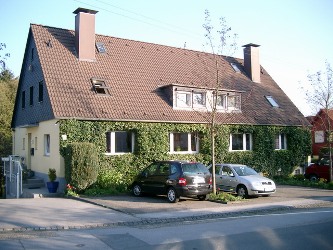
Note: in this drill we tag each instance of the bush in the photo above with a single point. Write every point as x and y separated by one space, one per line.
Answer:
222 196
81 163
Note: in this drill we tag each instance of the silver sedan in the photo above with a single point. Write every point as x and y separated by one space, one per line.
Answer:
243 180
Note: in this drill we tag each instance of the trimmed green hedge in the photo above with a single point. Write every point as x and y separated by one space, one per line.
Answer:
152 143
81 164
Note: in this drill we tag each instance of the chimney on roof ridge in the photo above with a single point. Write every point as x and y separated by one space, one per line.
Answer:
251 61
85 34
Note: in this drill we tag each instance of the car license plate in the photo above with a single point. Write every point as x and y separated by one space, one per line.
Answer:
197 180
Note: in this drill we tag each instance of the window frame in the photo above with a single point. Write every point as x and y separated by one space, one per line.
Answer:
245 146
193 141
31 95
280 142
47 144
111 140
195 102
40 92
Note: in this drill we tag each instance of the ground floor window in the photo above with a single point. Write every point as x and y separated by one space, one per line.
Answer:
119 142
240 142
280 142
184 143
47 143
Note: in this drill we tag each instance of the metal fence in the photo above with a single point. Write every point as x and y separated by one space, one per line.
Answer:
12 172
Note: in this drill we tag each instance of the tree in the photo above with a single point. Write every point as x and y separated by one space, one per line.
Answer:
320 97
4 57
7 99
224 48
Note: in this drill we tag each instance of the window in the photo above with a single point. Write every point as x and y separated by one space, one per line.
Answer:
199 99
234 102
235 67
23 99
119 142
184 143
31 102
319 137
40 92
36 144
271 100
99 86
183 99
32 53
280 142
241 142
100 47
221 101
47 144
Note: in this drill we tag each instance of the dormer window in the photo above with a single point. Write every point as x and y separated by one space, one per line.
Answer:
183 99
99 86
234 102
199 99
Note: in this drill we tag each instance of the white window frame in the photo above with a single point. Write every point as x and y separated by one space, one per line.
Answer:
199 102
237 102
223 102
47 144
244 137
180 102
189 143
280 142
112 135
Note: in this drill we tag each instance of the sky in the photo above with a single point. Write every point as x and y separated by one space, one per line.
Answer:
295 36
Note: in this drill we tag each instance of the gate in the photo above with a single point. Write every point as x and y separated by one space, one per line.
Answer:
12 172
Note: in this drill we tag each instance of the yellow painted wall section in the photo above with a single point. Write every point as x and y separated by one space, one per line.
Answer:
34 138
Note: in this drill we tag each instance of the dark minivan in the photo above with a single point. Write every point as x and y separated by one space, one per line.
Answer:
174 179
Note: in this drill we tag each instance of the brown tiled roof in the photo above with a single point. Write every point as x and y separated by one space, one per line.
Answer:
136 73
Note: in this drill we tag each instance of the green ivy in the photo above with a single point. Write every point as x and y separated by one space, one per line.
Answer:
152 143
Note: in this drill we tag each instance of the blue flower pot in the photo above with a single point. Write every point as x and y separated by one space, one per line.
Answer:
52 186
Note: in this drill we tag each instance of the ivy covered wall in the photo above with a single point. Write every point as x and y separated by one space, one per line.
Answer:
152 143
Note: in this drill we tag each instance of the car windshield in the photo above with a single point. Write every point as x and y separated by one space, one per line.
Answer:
194 168
244 170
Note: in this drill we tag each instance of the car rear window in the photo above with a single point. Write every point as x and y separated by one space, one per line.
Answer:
194 168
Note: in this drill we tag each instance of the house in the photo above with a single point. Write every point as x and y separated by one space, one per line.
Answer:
143 100
321 123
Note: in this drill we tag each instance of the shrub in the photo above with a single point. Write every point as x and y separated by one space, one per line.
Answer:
81 163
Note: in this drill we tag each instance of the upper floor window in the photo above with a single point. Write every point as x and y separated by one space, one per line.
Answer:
221 101
184 143
23 99
272 101
240 142
183 99
31 101
280 141
119 142
99 86
40 91
199 99
234 102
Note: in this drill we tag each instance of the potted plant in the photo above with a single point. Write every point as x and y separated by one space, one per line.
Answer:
52 184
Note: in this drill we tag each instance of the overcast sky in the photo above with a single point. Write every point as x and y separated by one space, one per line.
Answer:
296 36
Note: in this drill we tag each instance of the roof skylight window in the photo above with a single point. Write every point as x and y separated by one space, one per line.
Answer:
99 86
235 67
100 47
271 100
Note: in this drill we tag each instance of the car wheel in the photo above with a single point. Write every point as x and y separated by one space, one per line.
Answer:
242 191
172 195
137 190
202 197
314 178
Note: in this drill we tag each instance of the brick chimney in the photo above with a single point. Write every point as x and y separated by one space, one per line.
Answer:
85 34
251 61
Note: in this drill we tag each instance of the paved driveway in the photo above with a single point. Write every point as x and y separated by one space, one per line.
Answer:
155 204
